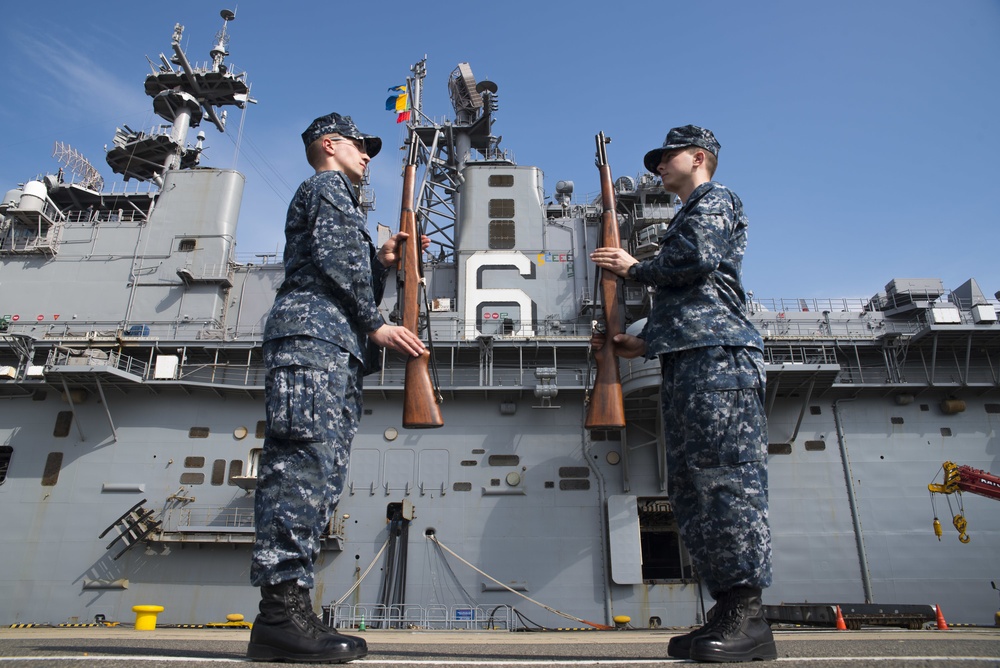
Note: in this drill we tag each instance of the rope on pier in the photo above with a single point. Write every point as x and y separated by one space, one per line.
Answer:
527 598
360 579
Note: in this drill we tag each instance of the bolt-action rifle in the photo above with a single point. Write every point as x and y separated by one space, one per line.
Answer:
421 408
606 408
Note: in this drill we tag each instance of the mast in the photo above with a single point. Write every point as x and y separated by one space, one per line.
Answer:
184 95
444 149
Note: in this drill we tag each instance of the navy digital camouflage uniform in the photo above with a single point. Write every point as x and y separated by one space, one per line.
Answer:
712 392
316 352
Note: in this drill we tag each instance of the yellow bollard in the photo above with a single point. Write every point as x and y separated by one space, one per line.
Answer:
145 616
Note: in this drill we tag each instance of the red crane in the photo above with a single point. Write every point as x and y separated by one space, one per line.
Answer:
958 479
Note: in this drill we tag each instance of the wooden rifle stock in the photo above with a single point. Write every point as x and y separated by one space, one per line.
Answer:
606 408
420 400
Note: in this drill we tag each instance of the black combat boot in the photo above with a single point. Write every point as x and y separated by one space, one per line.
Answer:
287 629
738 632
679 647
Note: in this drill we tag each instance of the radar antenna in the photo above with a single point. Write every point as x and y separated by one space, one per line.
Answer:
78 166
465 99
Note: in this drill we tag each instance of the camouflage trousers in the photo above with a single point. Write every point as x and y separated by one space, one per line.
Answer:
715 430
313 401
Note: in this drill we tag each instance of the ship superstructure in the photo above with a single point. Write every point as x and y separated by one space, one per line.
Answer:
131 417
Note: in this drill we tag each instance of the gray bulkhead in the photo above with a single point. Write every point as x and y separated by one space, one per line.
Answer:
517 272
166 267
186 255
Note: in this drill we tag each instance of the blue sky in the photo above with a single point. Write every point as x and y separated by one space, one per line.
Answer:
862 135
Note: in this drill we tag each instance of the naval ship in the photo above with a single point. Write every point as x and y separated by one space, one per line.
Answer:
132 414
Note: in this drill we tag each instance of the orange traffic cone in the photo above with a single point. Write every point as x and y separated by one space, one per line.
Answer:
841 626
941 624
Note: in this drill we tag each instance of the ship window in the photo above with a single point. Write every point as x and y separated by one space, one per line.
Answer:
504 460
218 472
501 180
198 432
815 446
574 485
462 487
550 484
192 478
261 429
235 470
469 462
815 410
194 462
946 431
501 208
605 435
501 234
993 408
186 245
896 420
52 465
574 472
779 448
63 421
6 452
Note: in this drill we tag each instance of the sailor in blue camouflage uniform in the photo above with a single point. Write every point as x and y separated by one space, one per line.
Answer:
712 395
322 335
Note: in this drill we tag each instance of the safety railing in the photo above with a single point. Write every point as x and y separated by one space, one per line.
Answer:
412 616
109 216
816 305
209 271
208 518
93 357
799 354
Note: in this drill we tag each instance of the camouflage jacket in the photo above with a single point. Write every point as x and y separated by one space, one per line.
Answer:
699 299
333 279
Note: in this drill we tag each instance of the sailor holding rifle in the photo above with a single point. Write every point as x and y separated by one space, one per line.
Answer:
712 395
323 334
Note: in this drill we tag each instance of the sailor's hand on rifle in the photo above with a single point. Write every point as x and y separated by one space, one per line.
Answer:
614 260
388 254
626 345
397 338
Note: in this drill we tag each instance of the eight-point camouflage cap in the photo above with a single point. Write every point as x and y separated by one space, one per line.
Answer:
688 135
334 123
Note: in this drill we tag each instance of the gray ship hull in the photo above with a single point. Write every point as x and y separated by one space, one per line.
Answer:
549 535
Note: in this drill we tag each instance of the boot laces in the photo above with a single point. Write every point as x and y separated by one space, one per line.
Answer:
730 614
303 606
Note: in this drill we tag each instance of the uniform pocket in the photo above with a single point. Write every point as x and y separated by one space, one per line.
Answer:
297 403
724 416
723 368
